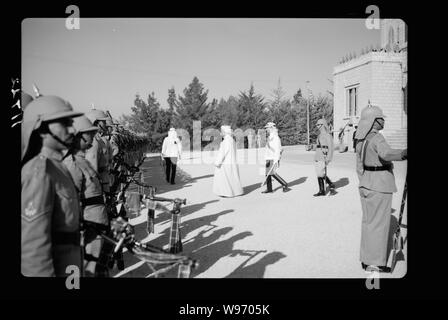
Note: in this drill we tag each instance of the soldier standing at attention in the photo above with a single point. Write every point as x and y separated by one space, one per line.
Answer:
374 166
113 148
91 194
97 155
105 133
323 156
50 204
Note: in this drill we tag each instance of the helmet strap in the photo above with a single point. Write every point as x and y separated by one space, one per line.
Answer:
64 143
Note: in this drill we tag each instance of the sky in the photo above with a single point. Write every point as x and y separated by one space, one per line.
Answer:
108 61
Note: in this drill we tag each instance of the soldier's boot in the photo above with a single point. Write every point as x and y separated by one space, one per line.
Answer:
282 182
120 261
331 186
321 187
106 256
268 185
101 271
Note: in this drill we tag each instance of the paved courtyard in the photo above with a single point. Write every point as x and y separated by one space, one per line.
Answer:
278 235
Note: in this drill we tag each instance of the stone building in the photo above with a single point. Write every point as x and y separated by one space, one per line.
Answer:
377 75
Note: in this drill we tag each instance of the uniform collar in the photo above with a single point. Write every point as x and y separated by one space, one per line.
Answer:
52 154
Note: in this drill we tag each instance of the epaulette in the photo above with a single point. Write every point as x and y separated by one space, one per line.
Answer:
38 164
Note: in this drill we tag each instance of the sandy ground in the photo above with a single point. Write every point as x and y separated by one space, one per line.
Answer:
278 235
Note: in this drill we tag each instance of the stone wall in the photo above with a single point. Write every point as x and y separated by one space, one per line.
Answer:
380 79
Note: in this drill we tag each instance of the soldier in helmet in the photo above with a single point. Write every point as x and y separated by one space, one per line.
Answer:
273 155
109 139
98 154
50 204
112 127
87 182
323 156
374 164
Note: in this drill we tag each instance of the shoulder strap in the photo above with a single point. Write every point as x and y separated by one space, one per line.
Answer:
363 151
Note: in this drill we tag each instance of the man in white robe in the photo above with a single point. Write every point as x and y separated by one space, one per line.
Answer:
226 182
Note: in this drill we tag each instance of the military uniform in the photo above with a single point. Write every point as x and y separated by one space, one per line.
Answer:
97 156
92 200
108 155
50 214
90 190
323 155
376 185
273 152
50 217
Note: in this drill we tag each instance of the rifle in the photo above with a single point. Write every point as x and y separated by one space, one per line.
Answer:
398 242
175 236
118 200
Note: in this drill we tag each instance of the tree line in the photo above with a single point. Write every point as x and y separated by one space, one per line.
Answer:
246 110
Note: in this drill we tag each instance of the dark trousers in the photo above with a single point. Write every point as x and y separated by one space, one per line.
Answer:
275 175
170 170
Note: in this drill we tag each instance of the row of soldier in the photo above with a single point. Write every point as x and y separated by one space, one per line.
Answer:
66 176
70 167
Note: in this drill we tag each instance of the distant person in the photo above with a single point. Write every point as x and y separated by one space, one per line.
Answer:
171 152
322 157
226 182
273 155
374 166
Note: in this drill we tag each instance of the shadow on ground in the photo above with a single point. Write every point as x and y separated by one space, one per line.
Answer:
255 186
342 182
258 269
154 175
209 255
187 227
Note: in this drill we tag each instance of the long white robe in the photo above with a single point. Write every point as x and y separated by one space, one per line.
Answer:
226 181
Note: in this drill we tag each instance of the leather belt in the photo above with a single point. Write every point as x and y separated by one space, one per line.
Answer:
93 200
377 168
61 238
323 147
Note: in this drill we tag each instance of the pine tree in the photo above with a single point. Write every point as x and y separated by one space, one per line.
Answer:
192 106
252 110
172 105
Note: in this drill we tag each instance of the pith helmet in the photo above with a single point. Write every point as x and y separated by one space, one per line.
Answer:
44 109
368 116
110 122
96 115
83 124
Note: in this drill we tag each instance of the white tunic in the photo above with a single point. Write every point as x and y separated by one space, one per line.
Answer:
273 147
171 146
226 181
